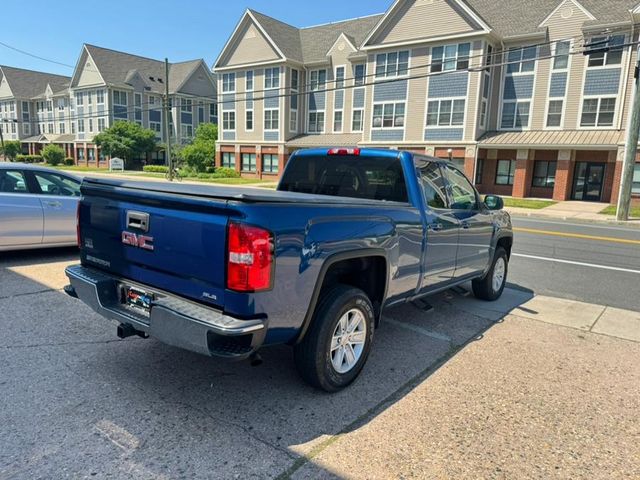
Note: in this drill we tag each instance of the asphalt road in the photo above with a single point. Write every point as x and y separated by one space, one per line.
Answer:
593 263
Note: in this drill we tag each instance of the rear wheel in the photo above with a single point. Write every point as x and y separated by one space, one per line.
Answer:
491 286
338 342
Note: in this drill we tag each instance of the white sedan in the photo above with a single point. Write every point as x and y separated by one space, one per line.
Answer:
37 207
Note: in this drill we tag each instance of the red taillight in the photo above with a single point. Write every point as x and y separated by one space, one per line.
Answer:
78 241
344 151
249 258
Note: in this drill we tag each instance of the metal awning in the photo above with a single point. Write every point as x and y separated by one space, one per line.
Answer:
554 139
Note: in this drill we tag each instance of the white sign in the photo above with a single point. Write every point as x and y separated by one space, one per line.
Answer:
116 164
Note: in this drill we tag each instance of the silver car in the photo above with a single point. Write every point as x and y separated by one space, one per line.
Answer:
37 207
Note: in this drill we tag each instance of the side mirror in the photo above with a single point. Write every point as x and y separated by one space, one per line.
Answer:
494 202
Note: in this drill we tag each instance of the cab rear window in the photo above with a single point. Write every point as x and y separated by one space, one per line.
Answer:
373 178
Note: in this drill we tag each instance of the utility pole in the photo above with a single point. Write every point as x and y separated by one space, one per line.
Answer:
167 112
630 154
4 155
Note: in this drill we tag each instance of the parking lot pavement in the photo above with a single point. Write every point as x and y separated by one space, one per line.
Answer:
460 391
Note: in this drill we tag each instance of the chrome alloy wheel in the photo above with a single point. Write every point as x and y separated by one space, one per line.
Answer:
347 341
498 274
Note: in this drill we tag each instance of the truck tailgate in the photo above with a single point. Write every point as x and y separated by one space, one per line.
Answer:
178 246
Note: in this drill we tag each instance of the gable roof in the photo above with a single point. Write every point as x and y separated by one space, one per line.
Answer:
117 68
507 20
29 83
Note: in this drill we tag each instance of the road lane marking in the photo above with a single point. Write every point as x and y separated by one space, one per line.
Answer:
583 225
571 262
416 329
576 235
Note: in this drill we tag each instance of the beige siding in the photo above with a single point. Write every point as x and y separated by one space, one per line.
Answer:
89 74
472 105
250 46
416 101
563 28
537 119
628 97
5 90
416 19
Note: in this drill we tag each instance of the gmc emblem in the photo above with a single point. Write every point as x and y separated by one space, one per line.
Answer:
140 241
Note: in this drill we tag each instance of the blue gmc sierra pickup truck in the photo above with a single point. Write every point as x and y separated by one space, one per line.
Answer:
224 271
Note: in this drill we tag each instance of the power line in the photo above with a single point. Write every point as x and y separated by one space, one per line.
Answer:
330 89
35 56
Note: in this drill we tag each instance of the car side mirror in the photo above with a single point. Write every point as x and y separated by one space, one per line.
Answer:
494 202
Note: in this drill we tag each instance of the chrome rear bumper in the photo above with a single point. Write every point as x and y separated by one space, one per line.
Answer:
171 319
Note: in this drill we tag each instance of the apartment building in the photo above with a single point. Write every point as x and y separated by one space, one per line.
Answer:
502 89
31 103
107 86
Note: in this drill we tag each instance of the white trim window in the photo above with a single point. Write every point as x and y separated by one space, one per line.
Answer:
81 125
272 77
248 78
185 105
337 121
229 121
316 122
486 95
446 112
318 79
561 53
79 100
61 103
61 128
119 98
555 109
91 125
26 129
598 112
339 77
248 120
357 120
293 110
447 58
102 124
272 119
359 74
521 60
392 64
388 115
186 130
228 82
601 57
100 97
155 126
229 160
515 115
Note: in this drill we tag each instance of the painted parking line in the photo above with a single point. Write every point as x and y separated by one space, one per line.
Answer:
417 329
571 262
576 235
582 225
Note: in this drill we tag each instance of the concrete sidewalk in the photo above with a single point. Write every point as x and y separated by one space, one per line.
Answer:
571 210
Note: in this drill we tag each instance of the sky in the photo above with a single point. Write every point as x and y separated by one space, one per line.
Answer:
180 30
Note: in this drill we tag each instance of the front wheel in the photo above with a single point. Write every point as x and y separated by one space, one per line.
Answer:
338 342
491 286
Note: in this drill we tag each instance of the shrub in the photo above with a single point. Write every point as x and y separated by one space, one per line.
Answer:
225 172
155 168
29 158
69 162
53 154
188 171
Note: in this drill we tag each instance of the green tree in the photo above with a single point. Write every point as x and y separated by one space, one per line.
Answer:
201 152
126 140
53 154
11 149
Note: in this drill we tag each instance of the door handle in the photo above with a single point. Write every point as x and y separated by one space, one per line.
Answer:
465 225
436 227
53 204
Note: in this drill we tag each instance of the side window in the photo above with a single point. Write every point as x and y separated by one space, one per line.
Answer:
462 192
433 186
12 181
52 184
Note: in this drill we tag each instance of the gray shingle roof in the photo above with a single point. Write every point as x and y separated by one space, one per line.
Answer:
311 44
508 18
117 67
28 83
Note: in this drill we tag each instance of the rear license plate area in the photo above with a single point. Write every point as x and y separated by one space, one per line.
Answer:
136 299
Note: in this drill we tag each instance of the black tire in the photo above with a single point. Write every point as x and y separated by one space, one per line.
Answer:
313 354
483 287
